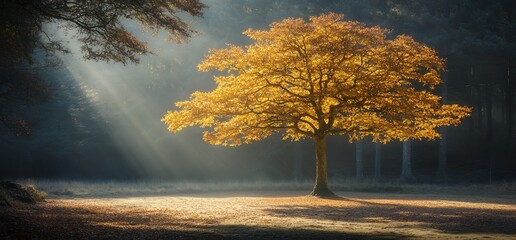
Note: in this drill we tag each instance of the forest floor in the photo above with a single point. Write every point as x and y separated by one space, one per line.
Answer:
264 215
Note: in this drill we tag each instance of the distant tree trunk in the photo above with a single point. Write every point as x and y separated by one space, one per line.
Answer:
443 148
508 115
471 95
297 162
359 157
406 169
378 161
489 129
443 158
472 141
479 105
321 187
480 110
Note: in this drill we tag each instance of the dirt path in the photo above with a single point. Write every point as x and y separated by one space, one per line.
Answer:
264 216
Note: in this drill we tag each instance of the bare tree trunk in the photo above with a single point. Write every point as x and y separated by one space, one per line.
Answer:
489 130
508 116
471 99
378 161
406 168
359 157
479 104
443 148
297 162
321 188
443 158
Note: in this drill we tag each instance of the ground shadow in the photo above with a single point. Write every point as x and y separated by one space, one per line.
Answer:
446 219
56 222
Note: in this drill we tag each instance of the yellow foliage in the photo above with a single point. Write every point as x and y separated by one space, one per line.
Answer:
322 77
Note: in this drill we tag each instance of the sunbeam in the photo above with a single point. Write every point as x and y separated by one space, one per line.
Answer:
275 119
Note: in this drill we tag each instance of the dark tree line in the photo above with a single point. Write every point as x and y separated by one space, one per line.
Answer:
477 38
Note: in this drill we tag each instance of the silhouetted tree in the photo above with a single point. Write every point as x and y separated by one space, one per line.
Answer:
100 26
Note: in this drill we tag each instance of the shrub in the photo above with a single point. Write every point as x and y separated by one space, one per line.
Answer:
27 193
3 199
36 194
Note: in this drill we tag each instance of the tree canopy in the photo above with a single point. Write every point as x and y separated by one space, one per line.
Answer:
100 26
317 78
326 76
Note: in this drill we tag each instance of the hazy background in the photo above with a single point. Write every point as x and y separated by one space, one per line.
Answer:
102 120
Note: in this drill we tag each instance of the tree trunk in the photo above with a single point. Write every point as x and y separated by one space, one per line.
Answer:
471 98
359 149
443 158
479 104
297 162
321 188
489 130
443 148
508 116
378 161
406 169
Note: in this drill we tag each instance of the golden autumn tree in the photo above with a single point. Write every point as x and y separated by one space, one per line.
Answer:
319 78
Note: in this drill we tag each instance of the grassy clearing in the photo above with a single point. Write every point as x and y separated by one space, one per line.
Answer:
265 215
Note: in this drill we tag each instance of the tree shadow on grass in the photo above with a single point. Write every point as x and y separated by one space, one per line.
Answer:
58 222
446 219
256 232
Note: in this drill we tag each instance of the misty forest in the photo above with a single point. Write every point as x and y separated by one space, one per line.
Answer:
257 119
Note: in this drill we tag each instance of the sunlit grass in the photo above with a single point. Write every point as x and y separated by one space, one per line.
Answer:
277 215
263 209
